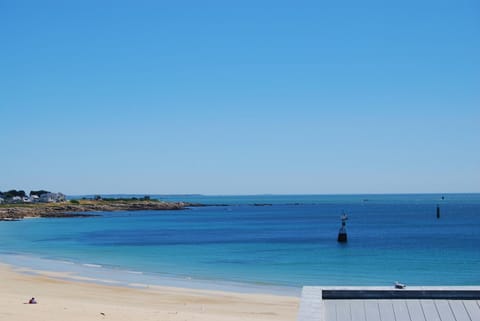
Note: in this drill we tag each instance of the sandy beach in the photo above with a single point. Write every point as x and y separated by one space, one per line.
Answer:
77 301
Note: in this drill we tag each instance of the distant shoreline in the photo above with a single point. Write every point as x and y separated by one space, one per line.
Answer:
79 208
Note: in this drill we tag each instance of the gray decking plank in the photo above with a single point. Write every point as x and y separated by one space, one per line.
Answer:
430 310
415 310
330 310
459 310
357 308
372 312
343 310
444 310
473 309
386 310
401 311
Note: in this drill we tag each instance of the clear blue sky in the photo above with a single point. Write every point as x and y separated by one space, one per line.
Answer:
240 97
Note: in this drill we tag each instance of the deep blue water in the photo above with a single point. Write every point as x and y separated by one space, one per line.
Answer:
289 243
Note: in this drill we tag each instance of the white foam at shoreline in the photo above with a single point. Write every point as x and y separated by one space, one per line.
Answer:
92 265
95 273
66 262
134 272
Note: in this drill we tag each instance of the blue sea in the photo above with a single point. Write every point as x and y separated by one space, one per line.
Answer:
288 242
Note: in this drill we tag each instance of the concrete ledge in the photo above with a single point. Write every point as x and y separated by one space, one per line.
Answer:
311 304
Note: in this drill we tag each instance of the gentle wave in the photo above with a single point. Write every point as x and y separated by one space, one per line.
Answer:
134 272
92 265
137 279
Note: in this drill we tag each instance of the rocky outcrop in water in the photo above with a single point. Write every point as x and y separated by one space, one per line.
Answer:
85 208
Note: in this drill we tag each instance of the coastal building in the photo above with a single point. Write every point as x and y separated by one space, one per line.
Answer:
52 198
20 197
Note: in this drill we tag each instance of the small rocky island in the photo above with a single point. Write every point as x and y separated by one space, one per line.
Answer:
49 204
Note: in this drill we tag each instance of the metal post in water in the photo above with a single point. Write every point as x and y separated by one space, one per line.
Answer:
342 233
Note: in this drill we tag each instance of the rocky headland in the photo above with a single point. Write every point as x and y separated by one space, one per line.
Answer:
85 208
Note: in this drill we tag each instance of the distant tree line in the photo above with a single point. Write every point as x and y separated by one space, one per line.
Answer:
38 193
111 199
12 193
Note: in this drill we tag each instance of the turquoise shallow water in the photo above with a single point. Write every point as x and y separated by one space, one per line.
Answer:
285 245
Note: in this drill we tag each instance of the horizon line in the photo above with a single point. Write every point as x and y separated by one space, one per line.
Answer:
280 194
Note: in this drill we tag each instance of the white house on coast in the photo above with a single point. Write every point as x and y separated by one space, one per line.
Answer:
42 197
52 198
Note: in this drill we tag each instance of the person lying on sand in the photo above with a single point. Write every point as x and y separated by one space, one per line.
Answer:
32 301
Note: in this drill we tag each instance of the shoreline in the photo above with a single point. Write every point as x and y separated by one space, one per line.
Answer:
79 300
94 272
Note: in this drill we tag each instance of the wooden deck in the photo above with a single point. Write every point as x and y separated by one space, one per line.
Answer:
427 304
402 310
